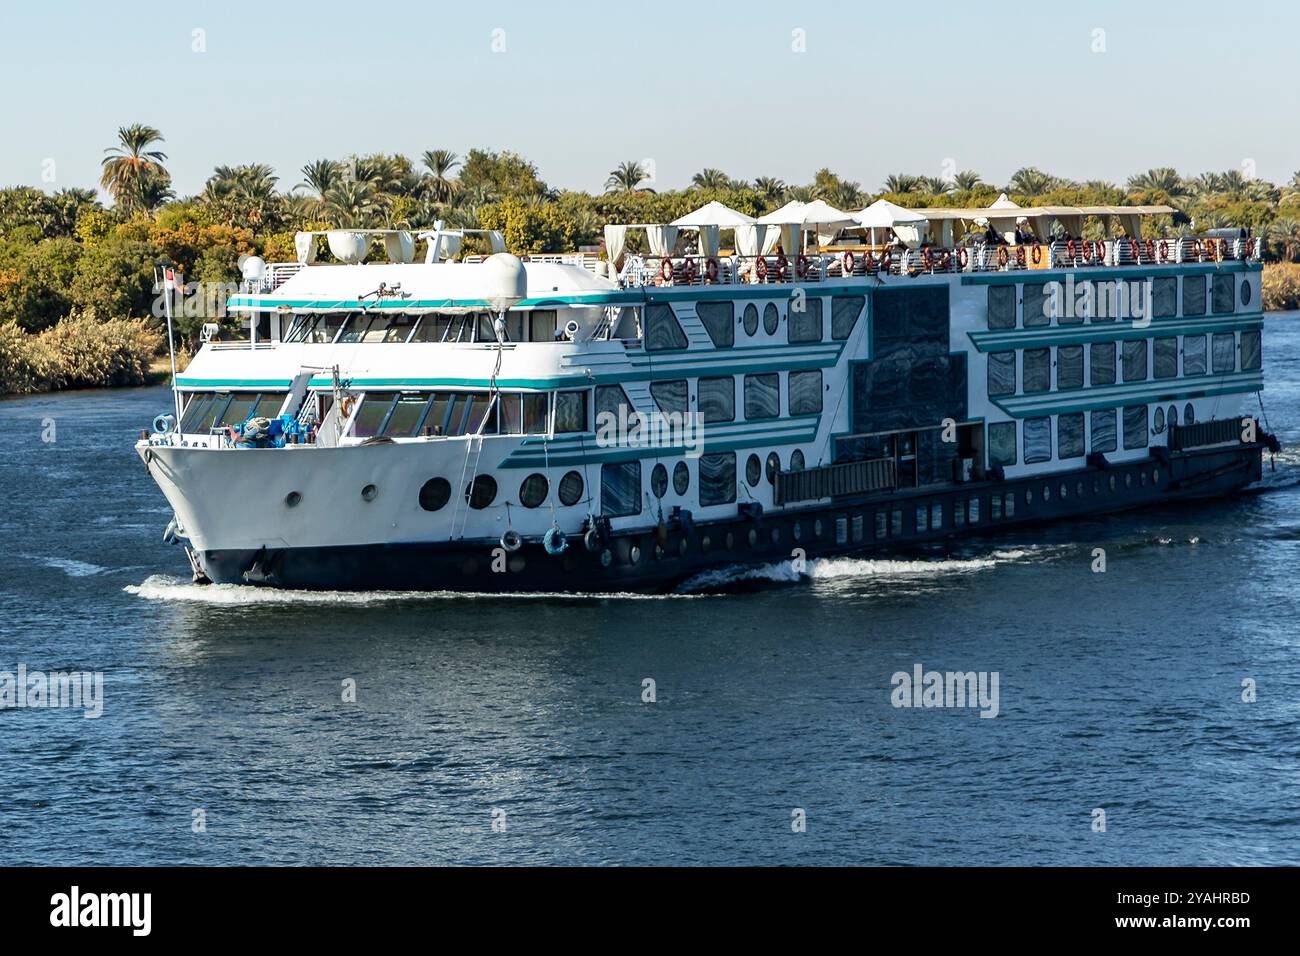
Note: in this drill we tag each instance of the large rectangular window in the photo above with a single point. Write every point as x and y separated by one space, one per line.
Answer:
662 330
570 412
1135 426
406 415
1002 307
1135 360
1101 363
717 399
719 320
1069 435
845 310
805 325
1223 292
1194 355
1069 367
762 396
620 489
805 391
1002 443
1164 357
1193 295
1164 297
1036 373
1038 440
1037 305
1252 359
671 397
367 419
718 478
1223 354
1002 373
1104 427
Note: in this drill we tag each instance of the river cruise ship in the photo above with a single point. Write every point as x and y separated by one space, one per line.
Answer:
832 382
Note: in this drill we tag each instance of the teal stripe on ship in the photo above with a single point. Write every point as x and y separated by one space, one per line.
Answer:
996 340
1136 393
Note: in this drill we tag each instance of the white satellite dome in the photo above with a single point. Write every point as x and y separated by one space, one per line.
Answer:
348 246
505 281
252 268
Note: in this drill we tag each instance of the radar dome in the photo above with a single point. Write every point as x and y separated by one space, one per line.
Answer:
505 280
252 267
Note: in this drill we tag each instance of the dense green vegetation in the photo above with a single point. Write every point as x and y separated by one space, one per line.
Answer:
66 257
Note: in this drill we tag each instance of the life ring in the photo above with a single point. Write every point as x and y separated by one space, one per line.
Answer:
1037 254
1212 249
1164 250
801 266
1020 256
761 267
945 260
1150 248
1087 250
666 270
782 266
1196 248
1003 256
848 263
1250 248
886 260
1069 249
927 258
347 405
554 541
512 541
711 269
162 424
962 257
1099 249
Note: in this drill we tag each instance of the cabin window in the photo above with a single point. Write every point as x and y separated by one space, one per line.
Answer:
771 318
1069 435
1101 363
1223 355
514 322
1189 414
805 325
1193 295
796 460
367 419
751 318
1164 297
1002 443
542 325
717 478
1223 292
1137 299
203 412
1194 355
571 488
719 320
468 413
1135 426
520 414
1036 374
681 478
805 389
845 310
406 415
1159 424
716 399
620 489
482 491
1164 357
1252 359
1002 373
433 327
570 412
1103 427
1002 307
762 396
1037 306
614 409
1135 360
316 329
753 470
533 490
1038 440
1069 367
671 397
368 327
662 330
434 494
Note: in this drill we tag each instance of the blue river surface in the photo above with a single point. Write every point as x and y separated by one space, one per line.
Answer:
1119 692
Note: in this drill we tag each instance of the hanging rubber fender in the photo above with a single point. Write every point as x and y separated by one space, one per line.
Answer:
661 533
512 541
162 424
591 539
554 541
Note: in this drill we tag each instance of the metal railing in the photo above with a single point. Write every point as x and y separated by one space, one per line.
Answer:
833 481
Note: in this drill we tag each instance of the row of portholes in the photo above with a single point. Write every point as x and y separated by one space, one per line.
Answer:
1171 417
1112 484
482 491
771 319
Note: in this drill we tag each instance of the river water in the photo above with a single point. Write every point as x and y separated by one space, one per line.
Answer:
515 730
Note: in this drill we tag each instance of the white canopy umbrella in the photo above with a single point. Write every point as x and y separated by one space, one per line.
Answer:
796 216
883 214
712 217
1003 223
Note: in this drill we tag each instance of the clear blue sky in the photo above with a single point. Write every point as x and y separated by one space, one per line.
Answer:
582 85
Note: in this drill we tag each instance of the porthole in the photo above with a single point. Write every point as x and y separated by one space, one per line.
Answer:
753 470
681 478
482 491
771 318
1142 478
751 319
776 535
1171 417
681 547
435 493
533 491
705 543
369 493
797 531
1029 496
292 499
773 466
1063 492
1189 414
817 528
1112 482
1155 476
570 489
1078 489
1128 479
1096 487
634 555
1047 493
659 480
729 541
1245 292
796 460
753 537
1159 420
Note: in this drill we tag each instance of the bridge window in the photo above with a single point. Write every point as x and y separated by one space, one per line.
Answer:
1223 295
406 415
1164 357
433 327
1193 295
367 419
1135 360
1194 353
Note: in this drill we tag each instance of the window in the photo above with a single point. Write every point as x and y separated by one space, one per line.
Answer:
751 318
1002 373
482 491
1103 426
922 518
662 330
1135 426
1069 367
1194 355
316 329
571 488
434 494
1002 443
796 460
719 320
1189 414
1252 359
1037 371
1164 357
762 396
717 478
1069 435
570 412
659 480
1223 292
1135 360
1038 440
845 310
406 415
1101 363
753 470
805 325
367 419
533 490
1101 296
771 318
1245 291
670 396
1002 307
614 408
1137 299
203 411
805 390
433 327
1164 297
717 399
1223 354
1038 305
1193 295
517 414
1159 424
620 489
681 478
542 325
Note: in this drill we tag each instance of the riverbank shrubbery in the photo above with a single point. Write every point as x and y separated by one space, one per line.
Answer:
79 352
1280 287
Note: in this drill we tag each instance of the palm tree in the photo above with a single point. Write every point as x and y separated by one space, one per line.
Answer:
1292 189
154 191
1031 181
243 193
352 204
68 207
129 165
1164 179
771 188
934 184
842 194
439 184
321 176
800 194
966 179
625 177
901 183
1286 232
710 179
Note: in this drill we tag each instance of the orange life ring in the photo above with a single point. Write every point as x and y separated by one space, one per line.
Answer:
666 269
1099 249
711 269
1037 254
782 266
1196 248
348 404
945 260
927 258
1003 256
886 260
761 267
1087 250
1164 250
1250 248
688 271
848 263
962 257
1020 256
1151 248
1069 249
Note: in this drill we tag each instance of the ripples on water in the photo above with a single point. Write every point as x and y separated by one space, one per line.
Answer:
1119 690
